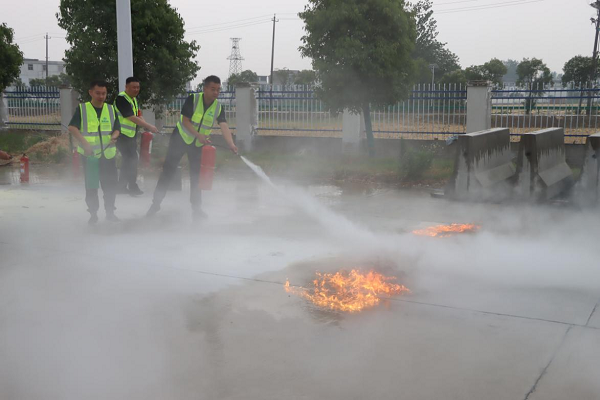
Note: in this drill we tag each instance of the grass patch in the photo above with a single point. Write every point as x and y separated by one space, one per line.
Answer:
418 169
15 142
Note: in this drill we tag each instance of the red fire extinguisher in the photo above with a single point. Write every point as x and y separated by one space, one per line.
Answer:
24 169
146 148
207 166
76 164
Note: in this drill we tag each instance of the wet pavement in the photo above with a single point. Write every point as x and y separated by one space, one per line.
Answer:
165 308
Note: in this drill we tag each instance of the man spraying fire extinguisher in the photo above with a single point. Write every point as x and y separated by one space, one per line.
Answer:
198 115
96 127
130 117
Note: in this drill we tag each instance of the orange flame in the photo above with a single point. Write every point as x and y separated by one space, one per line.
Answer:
447 230
349 292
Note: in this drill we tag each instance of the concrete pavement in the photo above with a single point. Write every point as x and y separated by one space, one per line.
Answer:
167 309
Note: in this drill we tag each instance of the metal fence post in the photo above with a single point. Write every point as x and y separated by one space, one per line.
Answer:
351 129
479 106
3 110
69 99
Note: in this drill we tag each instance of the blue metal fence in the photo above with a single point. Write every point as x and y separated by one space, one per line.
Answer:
524 110
33 107
429 112
173 109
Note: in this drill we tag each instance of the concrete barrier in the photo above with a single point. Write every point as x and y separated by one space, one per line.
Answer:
541 167
483 166
589 183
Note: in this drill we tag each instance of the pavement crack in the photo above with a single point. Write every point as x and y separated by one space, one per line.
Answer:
537 381
592 313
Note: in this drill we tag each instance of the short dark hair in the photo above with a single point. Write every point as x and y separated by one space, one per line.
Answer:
131 79
211 78
98 83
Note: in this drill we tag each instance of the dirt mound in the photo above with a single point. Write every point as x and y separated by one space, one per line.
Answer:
56 146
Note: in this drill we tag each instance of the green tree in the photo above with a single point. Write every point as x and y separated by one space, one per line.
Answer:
306 77
18 83
511 71
455 77
534 75
361 51
578 70
162 59
282 77
51 81
428 50
246 76
492 71
11 57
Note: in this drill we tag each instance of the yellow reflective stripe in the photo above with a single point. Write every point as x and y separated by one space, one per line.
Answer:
125 127
84 120
111 113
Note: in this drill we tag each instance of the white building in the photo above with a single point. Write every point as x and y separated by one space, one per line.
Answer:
36 69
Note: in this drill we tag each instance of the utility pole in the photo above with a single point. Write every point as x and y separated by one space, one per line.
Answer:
272 59
124 46
596 20
432 67
273 49
47 38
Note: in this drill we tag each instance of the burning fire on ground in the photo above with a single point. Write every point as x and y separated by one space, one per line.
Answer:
447 230
348 292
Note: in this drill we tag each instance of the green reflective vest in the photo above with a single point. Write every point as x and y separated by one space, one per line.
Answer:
202 120
93 129
127 127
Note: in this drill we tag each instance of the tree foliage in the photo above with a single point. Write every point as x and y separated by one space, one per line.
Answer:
11 57
533 74
361 51
492 71
51 81
282 77
511 71
246 76
162 59
428 50
306 77
578 70
457 77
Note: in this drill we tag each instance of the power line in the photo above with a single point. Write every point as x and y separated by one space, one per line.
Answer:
227 28
487 7
455 2
30 41
29 37
204 27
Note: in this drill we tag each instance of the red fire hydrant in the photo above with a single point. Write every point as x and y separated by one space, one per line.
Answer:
146 149
207 166
24 169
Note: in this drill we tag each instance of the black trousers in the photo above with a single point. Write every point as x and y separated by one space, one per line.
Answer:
129 167
177 148
108 183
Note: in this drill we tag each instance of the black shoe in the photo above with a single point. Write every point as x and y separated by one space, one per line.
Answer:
135 191
154 208
93 219
112 218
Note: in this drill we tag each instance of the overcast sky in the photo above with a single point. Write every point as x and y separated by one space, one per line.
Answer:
476 30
